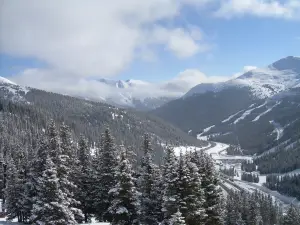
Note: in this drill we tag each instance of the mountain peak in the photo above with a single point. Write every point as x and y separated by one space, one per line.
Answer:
287 63
4 80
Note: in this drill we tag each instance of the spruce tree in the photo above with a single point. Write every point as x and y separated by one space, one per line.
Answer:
292 216
254 217
50 206
83 182
177 219
124 207
194 195
37 165
108 163
213 195
13 192
65 169
150 209
170 193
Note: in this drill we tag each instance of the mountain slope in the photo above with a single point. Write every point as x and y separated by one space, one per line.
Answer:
257 110
91 118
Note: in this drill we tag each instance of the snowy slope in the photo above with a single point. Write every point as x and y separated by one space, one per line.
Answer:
265 82
5 81
10 90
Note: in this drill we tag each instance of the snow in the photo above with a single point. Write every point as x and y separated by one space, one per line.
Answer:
4 80
231 116
278 129
185 149
245 114
217 149
248 112
266 82
208 129
265 112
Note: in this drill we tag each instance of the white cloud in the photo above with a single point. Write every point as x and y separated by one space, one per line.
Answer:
93 89
245 69
287 9
94 37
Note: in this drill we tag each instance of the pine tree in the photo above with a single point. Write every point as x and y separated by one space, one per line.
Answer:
150 208
50 206
53 143
170 194
124 206
254 217
213 195
13 192
108 163
194 195
36 166
292 217
65 168
83 182
177 219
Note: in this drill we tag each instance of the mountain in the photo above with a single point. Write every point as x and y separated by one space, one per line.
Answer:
257 110
262 82
136 94
88 117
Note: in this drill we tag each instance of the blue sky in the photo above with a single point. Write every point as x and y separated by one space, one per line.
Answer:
247 38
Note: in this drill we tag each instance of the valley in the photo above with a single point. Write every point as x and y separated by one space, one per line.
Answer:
239 138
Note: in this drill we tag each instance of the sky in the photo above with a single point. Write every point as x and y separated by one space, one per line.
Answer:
44 43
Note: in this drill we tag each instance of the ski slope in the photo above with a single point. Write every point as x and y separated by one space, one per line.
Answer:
278 129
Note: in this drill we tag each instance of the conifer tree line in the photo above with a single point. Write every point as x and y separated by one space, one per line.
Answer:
244 208
288 184
62 182
250 177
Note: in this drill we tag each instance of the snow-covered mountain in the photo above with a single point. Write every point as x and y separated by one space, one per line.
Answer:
257 109
282 75
12 91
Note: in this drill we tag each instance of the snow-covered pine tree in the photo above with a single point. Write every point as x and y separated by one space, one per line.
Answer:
124 206
292 216
84 182
150 208
50 206
53 142
254 217
36 166
213 193
194 195
13 192
177 219
108 163
65 171
182 184
170 194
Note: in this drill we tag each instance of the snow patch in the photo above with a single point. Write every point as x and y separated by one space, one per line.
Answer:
278 129
231 116
265 112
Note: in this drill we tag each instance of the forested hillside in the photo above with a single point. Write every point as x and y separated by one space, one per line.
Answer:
63 182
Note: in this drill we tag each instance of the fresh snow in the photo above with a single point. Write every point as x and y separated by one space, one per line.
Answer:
265 112
4 80
208 129
245 114
278 129
231 116
184 149
248 112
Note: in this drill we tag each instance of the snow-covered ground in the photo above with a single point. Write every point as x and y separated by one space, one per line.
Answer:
4 222
231 116
278 129
265 112
185 149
